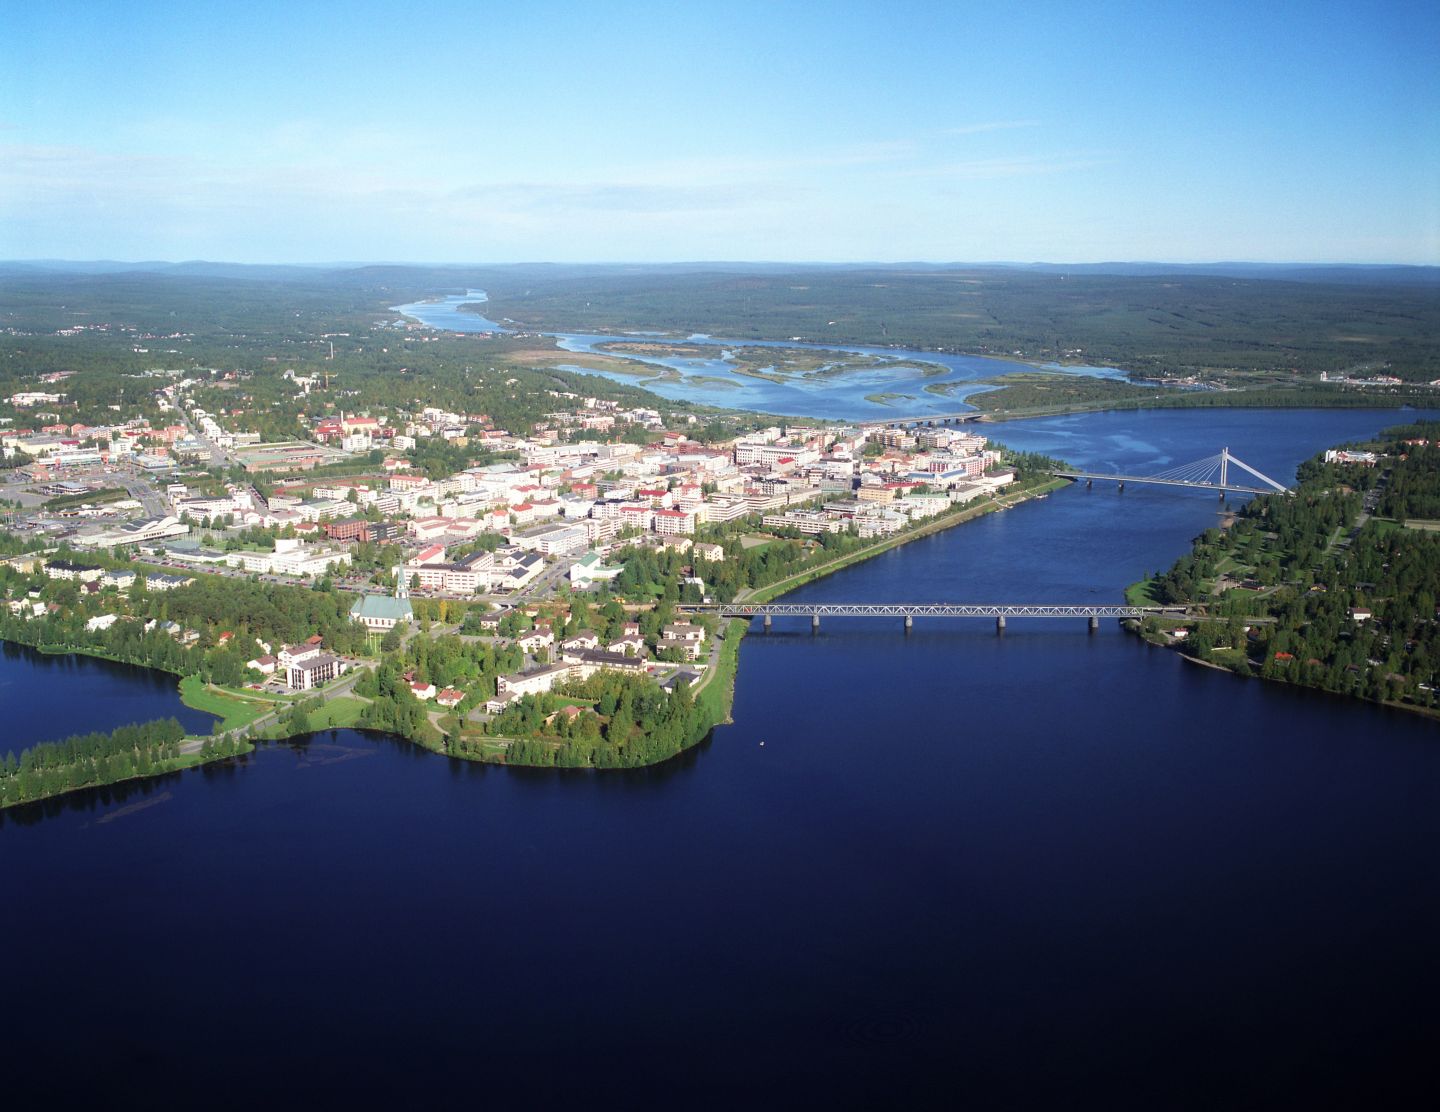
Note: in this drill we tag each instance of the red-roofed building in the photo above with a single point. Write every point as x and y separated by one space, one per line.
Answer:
674 523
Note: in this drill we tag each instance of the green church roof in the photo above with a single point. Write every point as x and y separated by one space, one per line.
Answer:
383 607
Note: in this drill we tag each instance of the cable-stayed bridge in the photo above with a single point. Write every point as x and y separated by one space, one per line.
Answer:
1210 473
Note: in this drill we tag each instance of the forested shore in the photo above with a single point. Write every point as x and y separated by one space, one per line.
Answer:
1333 586
97 759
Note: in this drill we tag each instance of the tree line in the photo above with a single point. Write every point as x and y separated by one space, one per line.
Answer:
1353 600
89 760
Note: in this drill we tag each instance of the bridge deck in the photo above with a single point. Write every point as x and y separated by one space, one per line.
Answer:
964 416
922 610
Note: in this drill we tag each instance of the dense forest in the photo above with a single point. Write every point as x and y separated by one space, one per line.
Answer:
1173 324
1028 395
1346 596
114 328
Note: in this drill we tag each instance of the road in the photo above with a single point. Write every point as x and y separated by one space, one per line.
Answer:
344 686
218 456
542 583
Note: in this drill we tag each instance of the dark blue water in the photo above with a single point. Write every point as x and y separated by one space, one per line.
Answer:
44 698
713 380
1044 869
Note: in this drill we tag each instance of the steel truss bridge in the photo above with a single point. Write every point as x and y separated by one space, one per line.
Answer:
909 611
1210 473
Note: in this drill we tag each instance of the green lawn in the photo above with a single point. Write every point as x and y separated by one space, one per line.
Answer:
1141 594
1389 525
337 714
233 709
717 687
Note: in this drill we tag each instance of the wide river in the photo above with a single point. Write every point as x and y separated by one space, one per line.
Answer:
1044 869
712 379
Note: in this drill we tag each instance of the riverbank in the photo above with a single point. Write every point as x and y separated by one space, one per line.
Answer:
1321 588
104 758
714 691
235 717
243 717
234 710
1039 394
1247 669
947 520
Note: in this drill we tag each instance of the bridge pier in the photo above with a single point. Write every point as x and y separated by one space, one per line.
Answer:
909 622
1000 623
766 621
1094 622
1122 486
1222 494
814 623
1089 484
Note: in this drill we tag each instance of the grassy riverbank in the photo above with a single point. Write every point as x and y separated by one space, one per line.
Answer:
234 709
950 518
238 711
714 693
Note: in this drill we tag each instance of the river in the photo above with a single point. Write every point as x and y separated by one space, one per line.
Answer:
1046 868
45 697
714 381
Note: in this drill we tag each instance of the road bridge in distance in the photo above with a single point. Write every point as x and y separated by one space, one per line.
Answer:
909 611
924 420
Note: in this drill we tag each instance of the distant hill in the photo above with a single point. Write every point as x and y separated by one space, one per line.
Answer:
1267 322
1345 274
408 273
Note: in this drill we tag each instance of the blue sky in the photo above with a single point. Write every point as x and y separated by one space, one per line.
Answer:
488 132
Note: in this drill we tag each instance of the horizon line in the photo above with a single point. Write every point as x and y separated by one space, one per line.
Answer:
352 263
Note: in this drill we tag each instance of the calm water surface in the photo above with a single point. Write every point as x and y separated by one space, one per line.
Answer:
1038 870
43 697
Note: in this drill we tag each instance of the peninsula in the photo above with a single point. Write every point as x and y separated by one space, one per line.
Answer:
484 559
1332 586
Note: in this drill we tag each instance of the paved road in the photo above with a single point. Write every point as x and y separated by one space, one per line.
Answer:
345 686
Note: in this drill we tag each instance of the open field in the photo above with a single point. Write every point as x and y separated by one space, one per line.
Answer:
338 713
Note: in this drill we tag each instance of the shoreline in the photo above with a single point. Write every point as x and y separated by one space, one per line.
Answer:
191 692
716 689
727 669
1177 647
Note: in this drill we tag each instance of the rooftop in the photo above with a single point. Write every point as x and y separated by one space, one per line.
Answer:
383 607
